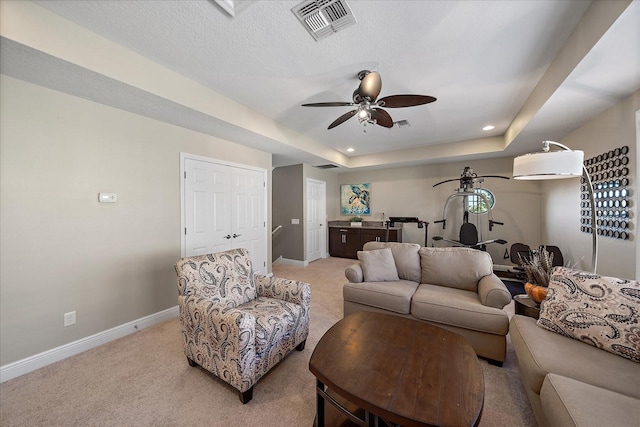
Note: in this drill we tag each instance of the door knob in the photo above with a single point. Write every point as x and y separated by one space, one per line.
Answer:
228 236
236 235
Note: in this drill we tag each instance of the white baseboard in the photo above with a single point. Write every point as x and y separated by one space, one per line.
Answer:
31 363
278 261
294 262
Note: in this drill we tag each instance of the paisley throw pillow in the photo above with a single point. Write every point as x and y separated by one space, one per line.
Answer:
598 310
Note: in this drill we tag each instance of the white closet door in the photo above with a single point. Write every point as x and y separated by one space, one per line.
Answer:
248 222
207 207
224 207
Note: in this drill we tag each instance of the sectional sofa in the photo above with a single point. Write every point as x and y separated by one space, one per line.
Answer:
580 362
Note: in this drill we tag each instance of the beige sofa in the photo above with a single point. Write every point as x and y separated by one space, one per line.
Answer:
570 382
453 288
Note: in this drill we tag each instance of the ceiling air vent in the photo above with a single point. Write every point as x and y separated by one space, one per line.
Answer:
324 17
403 123
328 166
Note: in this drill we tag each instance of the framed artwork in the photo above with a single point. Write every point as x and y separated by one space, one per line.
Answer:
355 199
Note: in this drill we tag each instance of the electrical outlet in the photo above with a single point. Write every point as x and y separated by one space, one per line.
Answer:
70 318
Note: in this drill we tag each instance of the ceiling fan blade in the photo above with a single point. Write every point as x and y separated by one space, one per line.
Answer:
381 117
398 101
445 181
370 86
329 104
493 176
343 118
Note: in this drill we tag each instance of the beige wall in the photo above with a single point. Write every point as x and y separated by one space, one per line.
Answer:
545 212
409 192
613 128
60 249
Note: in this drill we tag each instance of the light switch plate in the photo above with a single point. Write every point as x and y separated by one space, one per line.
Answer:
295 221
70 318
107 197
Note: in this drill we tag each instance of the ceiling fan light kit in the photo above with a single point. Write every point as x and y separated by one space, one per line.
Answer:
364 114
368 106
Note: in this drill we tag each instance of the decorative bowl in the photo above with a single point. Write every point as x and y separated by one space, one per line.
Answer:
536 292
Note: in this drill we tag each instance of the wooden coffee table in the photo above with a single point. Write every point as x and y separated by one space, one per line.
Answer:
399 370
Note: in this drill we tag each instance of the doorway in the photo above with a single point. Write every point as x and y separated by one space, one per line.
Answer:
316 220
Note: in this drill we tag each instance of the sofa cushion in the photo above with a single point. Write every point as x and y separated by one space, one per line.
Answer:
459 308
540 352
392 296
275 320
598 310
567 402
460 268
405 255
378 265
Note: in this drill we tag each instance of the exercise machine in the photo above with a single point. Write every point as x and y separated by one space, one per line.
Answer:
475 200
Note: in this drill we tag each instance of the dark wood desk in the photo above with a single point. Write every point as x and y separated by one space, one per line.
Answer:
345 242
401 370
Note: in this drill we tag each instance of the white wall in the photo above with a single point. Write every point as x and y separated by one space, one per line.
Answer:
613 128
60 249
409 191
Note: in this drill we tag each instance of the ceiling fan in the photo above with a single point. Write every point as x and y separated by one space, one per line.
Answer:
468 180
368 108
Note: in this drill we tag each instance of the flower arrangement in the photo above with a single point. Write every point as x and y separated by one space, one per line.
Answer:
537 267
355 219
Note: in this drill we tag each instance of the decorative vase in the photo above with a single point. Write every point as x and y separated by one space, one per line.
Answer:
536 292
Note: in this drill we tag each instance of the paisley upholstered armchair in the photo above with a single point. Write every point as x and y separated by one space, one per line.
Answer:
237 325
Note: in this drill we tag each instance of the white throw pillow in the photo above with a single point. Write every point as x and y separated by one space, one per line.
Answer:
378 265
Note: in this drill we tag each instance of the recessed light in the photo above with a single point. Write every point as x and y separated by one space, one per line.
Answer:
489 127
350 150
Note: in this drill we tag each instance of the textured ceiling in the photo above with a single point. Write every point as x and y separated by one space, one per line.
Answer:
481 59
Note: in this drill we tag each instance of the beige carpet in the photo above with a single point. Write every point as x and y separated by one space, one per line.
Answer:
144 379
